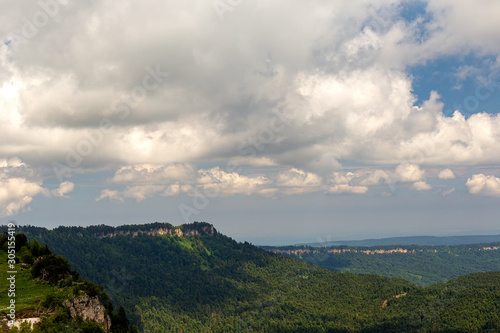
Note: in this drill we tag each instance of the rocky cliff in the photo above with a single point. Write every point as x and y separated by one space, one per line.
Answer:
89 308
188 230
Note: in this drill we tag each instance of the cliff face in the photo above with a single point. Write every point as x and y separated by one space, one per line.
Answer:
375 251
194 229
89 308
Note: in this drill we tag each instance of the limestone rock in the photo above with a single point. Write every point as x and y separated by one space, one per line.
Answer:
89 308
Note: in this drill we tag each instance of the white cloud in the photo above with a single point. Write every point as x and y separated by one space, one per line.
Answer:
342 183
336 72
446 174
19 184
342 177
13 162
421 186
341 80
113 195
230 183
298 178
148 180
486 185
295 181
374 178
61 192
345 188
460 24
141 192
154 174
171 190
16 194
409 173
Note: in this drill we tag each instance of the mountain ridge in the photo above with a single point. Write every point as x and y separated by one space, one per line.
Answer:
205 283
133 230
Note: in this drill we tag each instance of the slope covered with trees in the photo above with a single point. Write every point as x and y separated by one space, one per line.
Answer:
210 283
43 289
421 265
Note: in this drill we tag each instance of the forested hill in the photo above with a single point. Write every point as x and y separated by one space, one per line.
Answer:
40 293
211 283
422 265
134 230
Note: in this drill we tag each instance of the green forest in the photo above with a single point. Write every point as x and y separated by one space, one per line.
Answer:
215 284
421 265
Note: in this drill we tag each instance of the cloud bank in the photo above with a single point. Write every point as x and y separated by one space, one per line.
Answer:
156 90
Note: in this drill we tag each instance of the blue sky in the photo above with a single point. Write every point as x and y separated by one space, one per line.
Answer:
278 122
457 79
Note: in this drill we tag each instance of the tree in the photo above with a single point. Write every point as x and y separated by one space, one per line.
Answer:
119 322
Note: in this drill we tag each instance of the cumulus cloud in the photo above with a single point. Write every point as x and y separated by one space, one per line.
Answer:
342 177
374 178
144 181
229 183
13 162
157 174
19 184
342 84
341 184
16 194
61 192
409 173
421 186
139 192
453 21
142 192
113 195
303 92
298 178
295 181
486 185
446 174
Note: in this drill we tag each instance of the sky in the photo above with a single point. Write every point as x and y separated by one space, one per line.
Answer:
279 121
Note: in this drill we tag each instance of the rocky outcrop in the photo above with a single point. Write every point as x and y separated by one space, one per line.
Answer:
298 252
188 230
19 322
89 308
